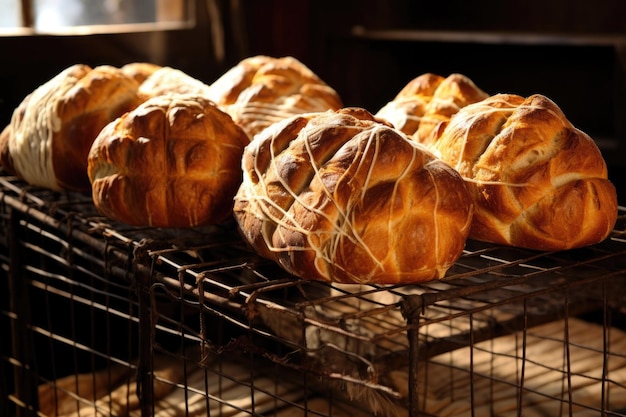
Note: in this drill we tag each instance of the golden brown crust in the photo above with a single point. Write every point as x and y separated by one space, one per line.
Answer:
406 110
168 80
262 90
454 93
140 71
227 88
98 98
339 196
53 128
536 180
428 101
174 161
6 161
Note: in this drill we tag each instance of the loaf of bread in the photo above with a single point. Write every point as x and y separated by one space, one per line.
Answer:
536 181
407 108
344 197
6 161
140 71
174 161
262 90
428 100
168 80
52 129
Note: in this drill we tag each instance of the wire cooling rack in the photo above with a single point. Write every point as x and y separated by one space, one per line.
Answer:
377 343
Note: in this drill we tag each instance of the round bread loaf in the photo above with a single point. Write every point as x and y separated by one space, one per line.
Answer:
174 161
52 129
536 180
427 101
341 196
263 90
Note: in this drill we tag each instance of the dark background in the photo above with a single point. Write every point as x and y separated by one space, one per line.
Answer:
572 52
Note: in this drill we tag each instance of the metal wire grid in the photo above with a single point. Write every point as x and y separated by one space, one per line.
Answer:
379 340
78 312
65 314
356 336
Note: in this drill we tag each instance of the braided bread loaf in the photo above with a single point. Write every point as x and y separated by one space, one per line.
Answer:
341 196
536 180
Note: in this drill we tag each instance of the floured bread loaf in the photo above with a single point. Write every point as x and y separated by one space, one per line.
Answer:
428 100
52 130
262 90
174 161
340 196
168 80
536 180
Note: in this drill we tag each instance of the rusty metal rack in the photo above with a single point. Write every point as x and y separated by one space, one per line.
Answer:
507 330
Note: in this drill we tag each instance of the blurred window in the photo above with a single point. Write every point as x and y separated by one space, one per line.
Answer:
10 16
43 16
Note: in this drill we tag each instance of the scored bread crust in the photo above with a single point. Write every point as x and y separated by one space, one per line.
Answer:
262 90
52 129
428 101
174 161
536 180
342 196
